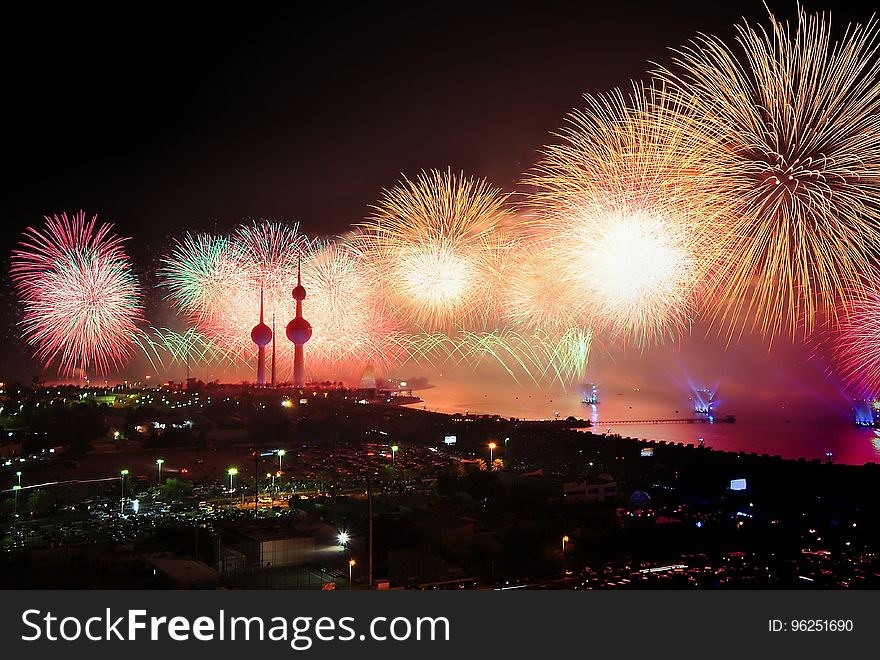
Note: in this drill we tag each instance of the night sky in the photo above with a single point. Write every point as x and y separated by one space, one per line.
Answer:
167 122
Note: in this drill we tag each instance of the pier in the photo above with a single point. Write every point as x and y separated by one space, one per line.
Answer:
729 419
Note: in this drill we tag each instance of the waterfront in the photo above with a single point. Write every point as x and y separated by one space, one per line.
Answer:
793 428
558 509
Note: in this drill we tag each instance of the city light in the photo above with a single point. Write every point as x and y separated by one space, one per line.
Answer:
16 488
342 538
281 454
122 475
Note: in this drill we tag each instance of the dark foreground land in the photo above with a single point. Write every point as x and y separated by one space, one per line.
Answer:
550 506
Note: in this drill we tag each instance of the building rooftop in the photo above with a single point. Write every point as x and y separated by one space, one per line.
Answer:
186 572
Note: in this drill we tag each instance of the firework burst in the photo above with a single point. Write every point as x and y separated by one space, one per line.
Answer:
164 348
197 272
269 253
437 245
534 297
795 116
81 300
351 325
623 216
218 282
857 345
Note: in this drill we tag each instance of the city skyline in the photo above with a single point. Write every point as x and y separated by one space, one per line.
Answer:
428 297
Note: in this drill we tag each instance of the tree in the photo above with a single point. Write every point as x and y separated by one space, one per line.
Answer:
175 489
40 503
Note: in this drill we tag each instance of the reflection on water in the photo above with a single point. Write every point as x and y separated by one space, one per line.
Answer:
793 427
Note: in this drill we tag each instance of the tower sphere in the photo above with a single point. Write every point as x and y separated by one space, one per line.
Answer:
261 334
299 330
299 293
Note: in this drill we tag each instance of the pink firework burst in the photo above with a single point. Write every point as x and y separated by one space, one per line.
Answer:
80 297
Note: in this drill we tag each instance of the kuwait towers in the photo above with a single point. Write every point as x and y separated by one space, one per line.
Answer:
261 336
299 331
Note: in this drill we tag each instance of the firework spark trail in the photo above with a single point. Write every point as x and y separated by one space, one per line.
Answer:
505 347
437 245
431 348
623 205
81 300
539 355
856 348
533 355
566 356
189 347
796 117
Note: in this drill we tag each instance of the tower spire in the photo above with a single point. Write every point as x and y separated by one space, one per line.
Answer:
261 335
273 349
299 330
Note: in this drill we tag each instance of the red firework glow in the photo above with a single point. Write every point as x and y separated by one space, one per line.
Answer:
81 301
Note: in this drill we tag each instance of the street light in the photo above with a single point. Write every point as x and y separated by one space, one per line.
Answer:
281 454
350 567
159 462
342 538
16 489
18 474
122 475
492 446
394 449
231 472
564 541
